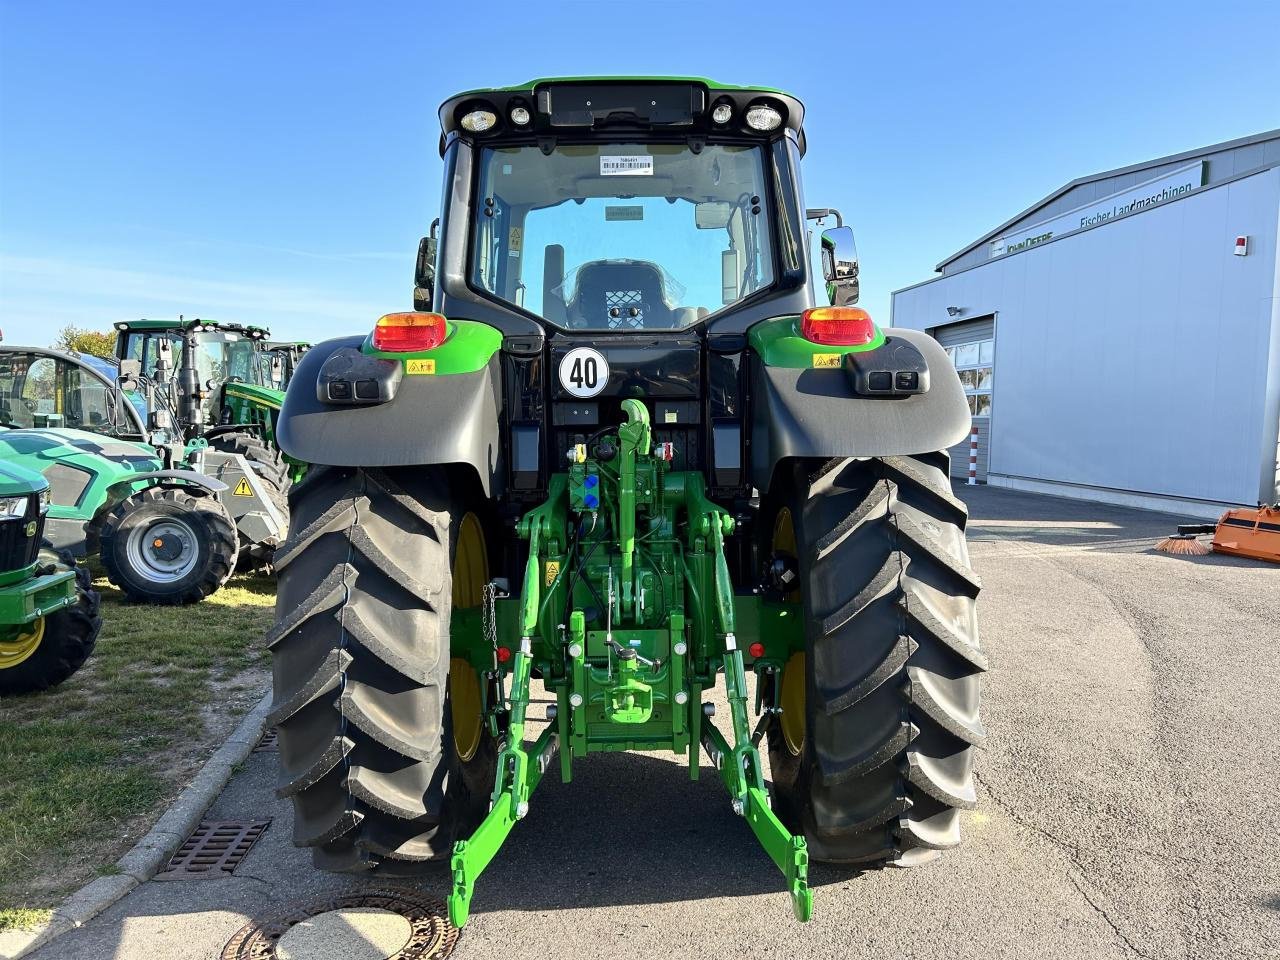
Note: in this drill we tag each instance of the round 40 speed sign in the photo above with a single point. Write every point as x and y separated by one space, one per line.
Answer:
584 372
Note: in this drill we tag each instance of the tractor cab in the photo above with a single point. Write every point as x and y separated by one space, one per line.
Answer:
216 354
626 235
41 388
619 206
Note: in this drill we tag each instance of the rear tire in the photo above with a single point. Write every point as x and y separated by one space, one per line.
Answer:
196 529
67 637
257 451
361 668
892 662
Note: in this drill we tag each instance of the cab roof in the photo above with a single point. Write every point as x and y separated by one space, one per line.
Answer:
183 324
574 106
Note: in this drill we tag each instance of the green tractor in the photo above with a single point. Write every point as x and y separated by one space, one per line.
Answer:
227 385
42 388
618 449
162 534
282 358
48 608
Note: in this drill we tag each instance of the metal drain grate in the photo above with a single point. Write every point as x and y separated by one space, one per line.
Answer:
270 741
433 937
214 849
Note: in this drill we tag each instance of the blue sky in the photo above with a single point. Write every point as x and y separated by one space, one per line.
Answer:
276 163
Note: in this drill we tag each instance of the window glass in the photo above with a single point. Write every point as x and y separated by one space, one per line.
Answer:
987 351
84 399
981 404
622 236
40 393
967 355
13 371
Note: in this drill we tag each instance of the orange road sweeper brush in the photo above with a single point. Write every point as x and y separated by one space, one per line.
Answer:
1243 532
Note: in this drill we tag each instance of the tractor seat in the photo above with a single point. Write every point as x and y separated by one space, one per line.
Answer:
620 295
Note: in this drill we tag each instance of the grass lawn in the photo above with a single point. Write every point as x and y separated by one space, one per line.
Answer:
87 767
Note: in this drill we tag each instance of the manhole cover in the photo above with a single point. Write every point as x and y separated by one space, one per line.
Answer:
384 924
214 849
270 741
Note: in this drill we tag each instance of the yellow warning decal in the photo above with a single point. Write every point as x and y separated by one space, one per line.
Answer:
550 571
420 366
826 359
242 488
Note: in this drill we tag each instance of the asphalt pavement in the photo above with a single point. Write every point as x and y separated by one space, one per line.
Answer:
1128 797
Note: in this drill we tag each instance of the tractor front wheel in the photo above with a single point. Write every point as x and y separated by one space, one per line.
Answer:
167 546
871 755
45 652
383 746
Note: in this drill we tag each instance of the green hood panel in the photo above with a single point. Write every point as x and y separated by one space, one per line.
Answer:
261 396
81 467
16 480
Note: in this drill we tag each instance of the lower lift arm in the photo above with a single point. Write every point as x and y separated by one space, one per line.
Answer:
520 770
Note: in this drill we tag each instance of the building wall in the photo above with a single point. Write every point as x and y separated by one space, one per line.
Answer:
1223 164
1134 356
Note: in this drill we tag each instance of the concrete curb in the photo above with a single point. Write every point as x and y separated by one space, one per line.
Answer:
153 851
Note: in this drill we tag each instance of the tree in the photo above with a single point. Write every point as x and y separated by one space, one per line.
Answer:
80 340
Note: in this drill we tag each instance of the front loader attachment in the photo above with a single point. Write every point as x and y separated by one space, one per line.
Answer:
628 612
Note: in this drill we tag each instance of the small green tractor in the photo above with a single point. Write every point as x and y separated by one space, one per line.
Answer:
228 383
48 608
617 449
162 534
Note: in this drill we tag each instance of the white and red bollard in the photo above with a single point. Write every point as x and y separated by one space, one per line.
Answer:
973 456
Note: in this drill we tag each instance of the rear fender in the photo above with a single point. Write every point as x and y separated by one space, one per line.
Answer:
817 411
169 478
445 418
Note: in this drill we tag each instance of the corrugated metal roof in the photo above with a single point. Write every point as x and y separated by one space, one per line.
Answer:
1187 155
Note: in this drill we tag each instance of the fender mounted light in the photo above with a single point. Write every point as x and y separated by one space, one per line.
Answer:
839 326
409 332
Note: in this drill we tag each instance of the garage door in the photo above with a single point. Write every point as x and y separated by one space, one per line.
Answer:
971 345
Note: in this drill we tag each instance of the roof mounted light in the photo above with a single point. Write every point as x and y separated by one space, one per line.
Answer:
479 120
520 116
763 117
409 332
722 113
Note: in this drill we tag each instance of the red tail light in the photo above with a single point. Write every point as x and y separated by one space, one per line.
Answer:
840 326
409 332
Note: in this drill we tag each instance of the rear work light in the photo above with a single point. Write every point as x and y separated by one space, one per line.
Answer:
409 332
839 326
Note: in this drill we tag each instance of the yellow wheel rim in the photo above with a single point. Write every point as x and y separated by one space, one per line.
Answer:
470 574
791 699
21 647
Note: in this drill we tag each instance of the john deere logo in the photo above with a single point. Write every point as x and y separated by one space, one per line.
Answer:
31 529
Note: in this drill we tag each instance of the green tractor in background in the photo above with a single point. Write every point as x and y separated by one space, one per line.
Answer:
48 608
162 534
282 358
41 388
228 384
619 450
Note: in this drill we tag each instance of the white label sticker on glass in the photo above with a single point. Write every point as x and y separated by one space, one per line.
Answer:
626 166
584 372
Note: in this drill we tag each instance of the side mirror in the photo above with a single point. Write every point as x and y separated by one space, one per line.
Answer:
424 272
712 214
840 266
130 370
